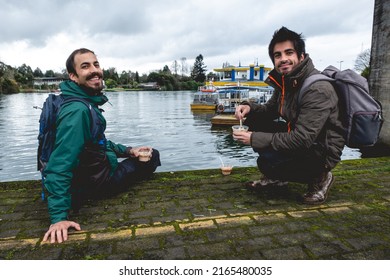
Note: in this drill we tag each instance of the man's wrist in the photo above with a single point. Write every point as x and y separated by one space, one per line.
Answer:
129 151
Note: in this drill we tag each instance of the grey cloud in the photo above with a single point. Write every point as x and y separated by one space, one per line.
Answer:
37 21
29 21
164 30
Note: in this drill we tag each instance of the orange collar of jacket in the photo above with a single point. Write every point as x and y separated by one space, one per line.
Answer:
282 88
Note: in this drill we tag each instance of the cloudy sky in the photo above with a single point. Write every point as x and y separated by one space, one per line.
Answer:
146 35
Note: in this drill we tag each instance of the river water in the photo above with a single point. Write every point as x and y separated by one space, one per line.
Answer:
186 140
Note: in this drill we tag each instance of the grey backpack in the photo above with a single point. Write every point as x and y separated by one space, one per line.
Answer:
361 114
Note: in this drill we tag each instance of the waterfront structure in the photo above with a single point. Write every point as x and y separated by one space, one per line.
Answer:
252 75
48 81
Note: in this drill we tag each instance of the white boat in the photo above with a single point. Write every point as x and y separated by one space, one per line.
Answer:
204 101
229 97
260 94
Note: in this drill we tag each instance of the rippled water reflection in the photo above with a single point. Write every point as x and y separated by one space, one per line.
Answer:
163 120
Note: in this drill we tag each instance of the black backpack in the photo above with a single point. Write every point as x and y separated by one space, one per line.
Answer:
361 114
47 127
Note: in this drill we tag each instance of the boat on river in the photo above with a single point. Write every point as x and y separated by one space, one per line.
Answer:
232 95
229 97
208 88
204 101
206 98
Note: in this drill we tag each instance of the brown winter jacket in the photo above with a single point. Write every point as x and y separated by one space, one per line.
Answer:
316 123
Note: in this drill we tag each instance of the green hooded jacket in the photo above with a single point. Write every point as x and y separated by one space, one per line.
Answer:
73 133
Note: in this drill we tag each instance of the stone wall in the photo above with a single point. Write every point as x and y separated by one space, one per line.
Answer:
379 79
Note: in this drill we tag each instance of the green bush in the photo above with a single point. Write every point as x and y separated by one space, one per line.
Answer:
8 86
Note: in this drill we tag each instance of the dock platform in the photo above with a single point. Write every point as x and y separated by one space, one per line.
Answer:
224 120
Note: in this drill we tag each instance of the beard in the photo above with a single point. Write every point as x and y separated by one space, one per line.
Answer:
97 88
93 91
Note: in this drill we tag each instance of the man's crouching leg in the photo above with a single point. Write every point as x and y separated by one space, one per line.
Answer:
318 189
131 170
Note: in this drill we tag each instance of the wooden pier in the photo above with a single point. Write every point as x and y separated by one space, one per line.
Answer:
224 119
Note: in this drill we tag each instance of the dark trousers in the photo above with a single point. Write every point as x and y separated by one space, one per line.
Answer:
302 166
131 170
128 171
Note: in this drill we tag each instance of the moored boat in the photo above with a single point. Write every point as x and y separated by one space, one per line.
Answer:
229 97
260 95
208 88
236 84
204 100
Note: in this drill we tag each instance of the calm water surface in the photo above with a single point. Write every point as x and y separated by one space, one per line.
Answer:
185 139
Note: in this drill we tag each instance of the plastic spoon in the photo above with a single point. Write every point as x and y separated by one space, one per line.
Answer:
221 161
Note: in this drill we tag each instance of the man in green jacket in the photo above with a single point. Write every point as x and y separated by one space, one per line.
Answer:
80 165
301 145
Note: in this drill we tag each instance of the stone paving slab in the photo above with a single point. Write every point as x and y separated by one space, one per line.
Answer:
205 215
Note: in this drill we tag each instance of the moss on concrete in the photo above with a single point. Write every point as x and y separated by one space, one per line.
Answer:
205 215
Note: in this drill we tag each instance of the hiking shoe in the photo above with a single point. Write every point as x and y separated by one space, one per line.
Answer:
265 182
318 190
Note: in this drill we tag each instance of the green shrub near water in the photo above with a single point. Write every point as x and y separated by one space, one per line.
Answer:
8 86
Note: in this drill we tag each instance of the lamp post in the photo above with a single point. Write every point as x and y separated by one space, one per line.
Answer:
341 61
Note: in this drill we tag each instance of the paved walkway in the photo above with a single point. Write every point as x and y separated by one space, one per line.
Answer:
205 215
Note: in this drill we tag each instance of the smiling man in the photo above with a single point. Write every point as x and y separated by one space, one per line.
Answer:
301 145
89 76
85 164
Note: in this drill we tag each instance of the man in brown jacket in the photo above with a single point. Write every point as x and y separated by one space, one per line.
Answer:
294 144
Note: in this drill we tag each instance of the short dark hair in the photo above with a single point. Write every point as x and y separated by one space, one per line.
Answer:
70 67
284 34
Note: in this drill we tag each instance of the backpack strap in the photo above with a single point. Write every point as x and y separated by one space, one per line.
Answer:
95 121
308 82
